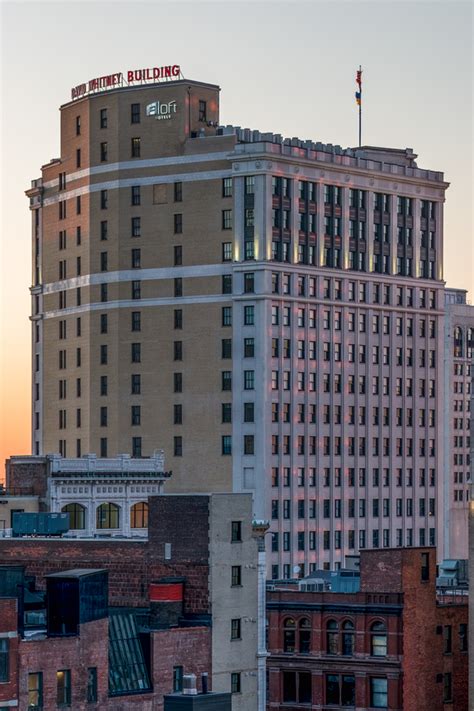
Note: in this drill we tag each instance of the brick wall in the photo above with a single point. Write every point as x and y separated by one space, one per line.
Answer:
32 475
9 624
49 655
131 566
182 521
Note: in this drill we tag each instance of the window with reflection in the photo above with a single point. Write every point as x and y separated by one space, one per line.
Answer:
304 636
340 690
348 638
332 637
139 515
77 515
378 639
289 635
108 516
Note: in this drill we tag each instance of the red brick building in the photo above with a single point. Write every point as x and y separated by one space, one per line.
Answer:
159 601
394 644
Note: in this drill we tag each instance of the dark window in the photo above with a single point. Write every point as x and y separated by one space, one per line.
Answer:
136 289
103 118
136 352
378 640
348 638
103 385
103 323
202 110
178 319
297 687
227 187
136 226
177 414
235 628
91 685
78 125
103 151
249 412
227 283
78 157
63 682
78 205
236 575
136 384
178 382
4 666
447 639
249 283
226 348
136 197
103 261
236 531
135 147
178 287
178 192
103 446
135 113
77 519
289 635
136 447
136 258
103 230
249 347
103 355
135 415
178 255
340 690
425 567
178 350
178 446
249 444
226 412
178 223
103 199
177 679
226 445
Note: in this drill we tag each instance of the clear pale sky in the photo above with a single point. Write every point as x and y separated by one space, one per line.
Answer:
287 67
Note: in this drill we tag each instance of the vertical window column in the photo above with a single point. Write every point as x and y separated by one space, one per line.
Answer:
319 224
239 218
416 238
369 229
393 233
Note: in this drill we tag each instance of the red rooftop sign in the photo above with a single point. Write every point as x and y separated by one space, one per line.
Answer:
133 76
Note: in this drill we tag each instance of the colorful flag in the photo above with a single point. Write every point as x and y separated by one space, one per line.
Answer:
359 77
358 98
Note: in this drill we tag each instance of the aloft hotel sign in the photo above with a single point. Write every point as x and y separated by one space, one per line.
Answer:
131 78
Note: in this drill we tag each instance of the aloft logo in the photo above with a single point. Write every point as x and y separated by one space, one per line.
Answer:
160 110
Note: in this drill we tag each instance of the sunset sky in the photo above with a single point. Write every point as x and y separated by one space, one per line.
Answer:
287 67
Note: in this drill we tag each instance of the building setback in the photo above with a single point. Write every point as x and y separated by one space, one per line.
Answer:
268 311
393 645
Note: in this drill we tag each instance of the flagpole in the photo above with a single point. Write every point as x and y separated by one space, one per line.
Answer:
360 108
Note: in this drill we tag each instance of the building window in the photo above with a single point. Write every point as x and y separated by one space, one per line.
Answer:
226 445
340 690
135 415
4 666
178 446
227 187
236 531
78 131
135 147
178 223
103 151
226 219
249 379
35 690
332 637
78 157
178 319
236 576
297 687
378 693
135 196
104 199
235 628
447 639
136 226
249 444
91 685
139 515
249 315
202 111
63 686
378 640
107 516
348 637
77 516
289 635
136 258
135 113
178 679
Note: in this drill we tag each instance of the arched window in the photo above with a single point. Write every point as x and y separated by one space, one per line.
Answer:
378 640
289 635
332 637
305 636
77 516
348 638
108 516
139 515
458 345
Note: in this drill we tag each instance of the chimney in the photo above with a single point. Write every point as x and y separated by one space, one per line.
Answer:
166 601
189 685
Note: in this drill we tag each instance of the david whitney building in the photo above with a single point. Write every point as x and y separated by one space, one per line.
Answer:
268 311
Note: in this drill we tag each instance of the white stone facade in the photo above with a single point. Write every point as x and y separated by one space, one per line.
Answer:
91 482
